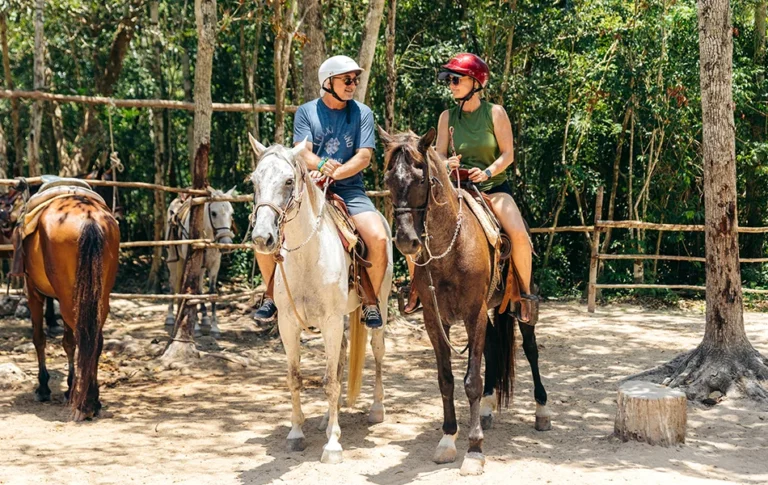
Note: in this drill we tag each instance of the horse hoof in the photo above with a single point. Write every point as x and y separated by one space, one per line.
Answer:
197 333
79 416
473 464
170 321
446 451
42 396
543 423
332 454
297 444
486 421
376 415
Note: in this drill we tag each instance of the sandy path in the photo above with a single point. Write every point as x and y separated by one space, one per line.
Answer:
222 422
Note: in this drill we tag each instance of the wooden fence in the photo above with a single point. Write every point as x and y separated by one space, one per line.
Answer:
595 257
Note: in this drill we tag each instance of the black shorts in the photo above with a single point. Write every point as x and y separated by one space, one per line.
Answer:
502 188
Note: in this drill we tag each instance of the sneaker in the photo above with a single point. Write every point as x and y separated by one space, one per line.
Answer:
372 316
266 312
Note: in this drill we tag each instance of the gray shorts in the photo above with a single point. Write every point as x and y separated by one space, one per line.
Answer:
355 198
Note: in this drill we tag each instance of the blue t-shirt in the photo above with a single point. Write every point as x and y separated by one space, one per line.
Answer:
332 136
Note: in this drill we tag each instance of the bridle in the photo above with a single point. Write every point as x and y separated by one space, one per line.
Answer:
293 205
221 232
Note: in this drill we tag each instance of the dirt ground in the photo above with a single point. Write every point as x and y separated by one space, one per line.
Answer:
225 419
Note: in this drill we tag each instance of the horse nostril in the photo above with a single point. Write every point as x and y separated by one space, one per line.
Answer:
270 241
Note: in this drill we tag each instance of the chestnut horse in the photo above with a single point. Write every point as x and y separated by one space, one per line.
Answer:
436 227
72 255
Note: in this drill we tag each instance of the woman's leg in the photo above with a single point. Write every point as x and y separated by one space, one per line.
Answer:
522 253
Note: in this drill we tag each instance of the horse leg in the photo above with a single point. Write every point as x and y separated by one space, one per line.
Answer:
333 336
531 350
474 460
213 280
340 376
446 449
489 402
51 322
35 302
173 279
203 328
69 347
290 334
376 415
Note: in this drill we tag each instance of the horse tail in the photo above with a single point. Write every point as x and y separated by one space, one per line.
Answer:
87 305
358 335
504 362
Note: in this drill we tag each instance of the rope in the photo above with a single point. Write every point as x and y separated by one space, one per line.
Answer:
115 164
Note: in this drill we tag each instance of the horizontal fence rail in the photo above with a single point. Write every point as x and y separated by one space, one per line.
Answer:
140 103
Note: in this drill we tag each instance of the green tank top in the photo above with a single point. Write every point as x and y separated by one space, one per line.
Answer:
475 141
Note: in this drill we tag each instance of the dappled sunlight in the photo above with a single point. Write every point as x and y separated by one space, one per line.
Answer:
229 421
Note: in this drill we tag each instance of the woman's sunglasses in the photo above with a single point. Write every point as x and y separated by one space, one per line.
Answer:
351 80
450 78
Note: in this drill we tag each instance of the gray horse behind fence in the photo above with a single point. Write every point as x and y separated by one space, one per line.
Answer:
217 227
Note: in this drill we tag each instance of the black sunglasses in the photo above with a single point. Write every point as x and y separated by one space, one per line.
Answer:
351 80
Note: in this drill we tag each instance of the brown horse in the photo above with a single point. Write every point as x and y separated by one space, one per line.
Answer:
456 261
72 255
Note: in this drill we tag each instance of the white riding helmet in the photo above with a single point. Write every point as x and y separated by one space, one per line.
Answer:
335 66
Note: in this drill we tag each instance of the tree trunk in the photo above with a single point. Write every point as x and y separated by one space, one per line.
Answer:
158 137
651 414
508 54
89 138
18 144
368 45
36 116
250 64
284 19
725 359
182 345
314 48
188 96
3 159
389 112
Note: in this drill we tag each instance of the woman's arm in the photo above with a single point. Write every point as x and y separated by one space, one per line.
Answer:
443 141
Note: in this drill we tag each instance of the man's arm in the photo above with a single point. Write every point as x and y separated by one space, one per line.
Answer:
354 165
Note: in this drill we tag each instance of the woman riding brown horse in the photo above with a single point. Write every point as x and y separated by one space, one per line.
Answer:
453 276
72 255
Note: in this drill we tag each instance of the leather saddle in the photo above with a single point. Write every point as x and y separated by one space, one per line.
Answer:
53 188
504 274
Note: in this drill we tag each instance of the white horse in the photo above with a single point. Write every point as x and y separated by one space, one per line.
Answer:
311 287
218 227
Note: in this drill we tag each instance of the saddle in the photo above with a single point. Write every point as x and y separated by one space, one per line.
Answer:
480 205
353 245
53 188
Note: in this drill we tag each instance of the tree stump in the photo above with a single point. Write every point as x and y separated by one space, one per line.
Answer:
651 413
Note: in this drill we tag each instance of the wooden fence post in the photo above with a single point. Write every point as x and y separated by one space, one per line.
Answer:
593 261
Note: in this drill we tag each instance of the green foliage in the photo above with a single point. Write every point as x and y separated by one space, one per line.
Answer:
576 67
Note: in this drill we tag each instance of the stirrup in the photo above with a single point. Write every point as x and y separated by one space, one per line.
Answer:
529 300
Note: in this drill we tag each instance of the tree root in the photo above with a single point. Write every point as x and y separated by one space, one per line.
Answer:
180 351
702 371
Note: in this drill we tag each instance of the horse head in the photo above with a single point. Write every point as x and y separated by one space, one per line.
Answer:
408 178
278 184
219 216
10 208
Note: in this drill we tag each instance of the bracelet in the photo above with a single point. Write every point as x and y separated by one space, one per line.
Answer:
322 162
488 172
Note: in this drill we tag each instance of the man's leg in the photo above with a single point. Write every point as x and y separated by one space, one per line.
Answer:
371 229
267 311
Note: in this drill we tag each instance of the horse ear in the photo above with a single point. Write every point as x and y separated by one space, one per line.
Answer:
231 191
386 138
257 147
426 141
299 149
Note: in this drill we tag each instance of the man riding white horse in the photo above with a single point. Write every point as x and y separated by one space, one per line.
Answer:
339 134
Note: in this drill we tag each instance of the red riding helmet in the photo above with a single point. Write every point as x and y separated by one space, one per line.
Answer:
469 65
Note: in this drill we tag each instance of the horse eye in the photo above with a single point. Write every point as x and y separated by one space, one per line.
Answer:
213 213
289 182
